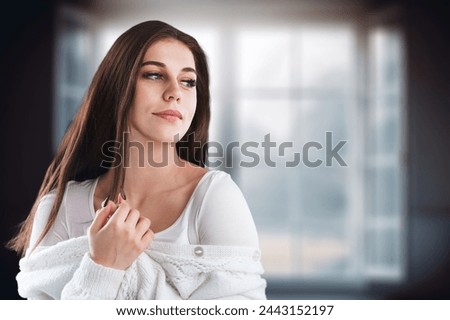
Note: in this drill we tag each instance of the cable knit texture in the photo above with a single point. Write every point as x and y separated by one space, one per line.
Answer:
164 271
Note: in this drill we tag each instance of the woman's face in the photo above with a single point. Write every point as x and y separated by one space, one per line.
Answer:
166 97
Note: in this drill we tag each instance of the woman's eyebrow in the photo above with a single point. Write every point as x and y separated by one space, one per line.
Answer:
162 65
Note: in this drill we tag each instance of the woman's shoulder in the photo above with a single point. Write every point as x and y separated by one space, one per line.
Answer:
73 189
205 179
218 191
216 175
73 214
80 188
76 202
79 200
219 183
223 216
209 181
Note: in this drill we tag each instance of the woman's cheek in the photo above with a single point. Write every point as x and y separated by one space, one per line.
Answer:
192 109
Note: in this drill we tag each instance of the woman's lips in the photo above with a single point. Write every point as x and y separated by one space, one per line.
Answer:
169 115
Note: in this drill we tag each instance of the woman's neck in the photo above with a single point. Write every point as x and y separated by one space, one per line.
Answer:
149 165
150 170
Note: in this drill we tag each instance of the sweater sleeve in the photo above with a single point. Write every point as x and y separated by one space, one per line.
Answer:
89 280
93 281
65 271
58 231
224 217
210 272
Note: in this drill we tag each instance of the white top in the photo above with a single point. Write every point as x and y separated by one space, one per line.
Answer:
210 252
216 214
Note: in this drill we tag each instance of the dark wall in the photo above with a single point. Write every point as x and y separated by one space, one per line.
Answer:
428 60
26 51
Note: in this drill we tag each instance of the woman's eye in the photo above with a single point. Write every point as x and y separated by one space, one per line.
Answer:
191 83
153 75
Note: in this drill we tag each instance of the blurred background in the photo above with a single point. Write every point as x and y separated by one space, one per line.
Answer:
375 74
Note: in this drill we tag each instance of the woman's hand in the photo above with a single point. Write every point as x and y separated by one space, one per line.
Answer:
118 235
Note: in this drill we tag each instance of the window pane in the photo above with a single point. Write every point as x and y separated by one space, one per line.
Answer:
322 114
301 212
385 253
387 192
271 215
385 232
75 48
386 65
73 69
384 131
257 119
313 118
323 194
278 253
324 57
263 58
322 251
260 117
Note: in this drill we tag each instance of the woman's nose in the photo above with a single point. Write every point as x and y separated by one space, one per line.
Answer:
172 92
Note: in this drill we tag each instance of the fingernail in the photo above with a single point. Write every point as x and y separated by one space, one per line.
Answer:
122 194
119 198
105 202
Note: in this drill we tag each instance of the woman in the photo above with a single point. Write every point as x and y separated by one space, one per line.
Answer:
127 210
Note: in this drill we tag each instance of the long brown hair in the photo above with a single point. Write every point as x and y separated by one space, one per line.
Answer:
103 117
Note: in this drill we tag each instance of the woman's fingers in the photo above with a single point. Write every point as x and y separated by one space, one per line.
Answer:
121 214
118 235
133 218
142 226
148 237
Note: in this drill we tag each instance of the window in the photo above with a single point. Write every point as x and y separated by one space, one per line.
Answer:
385 221
325 223
319 82
73 69
298 84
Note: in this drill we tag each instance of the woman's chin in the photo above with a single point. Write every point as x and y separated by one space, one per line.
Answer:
165 136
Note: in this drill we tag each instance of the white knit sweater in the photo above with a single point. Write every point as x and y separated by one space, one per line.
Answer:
164 271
